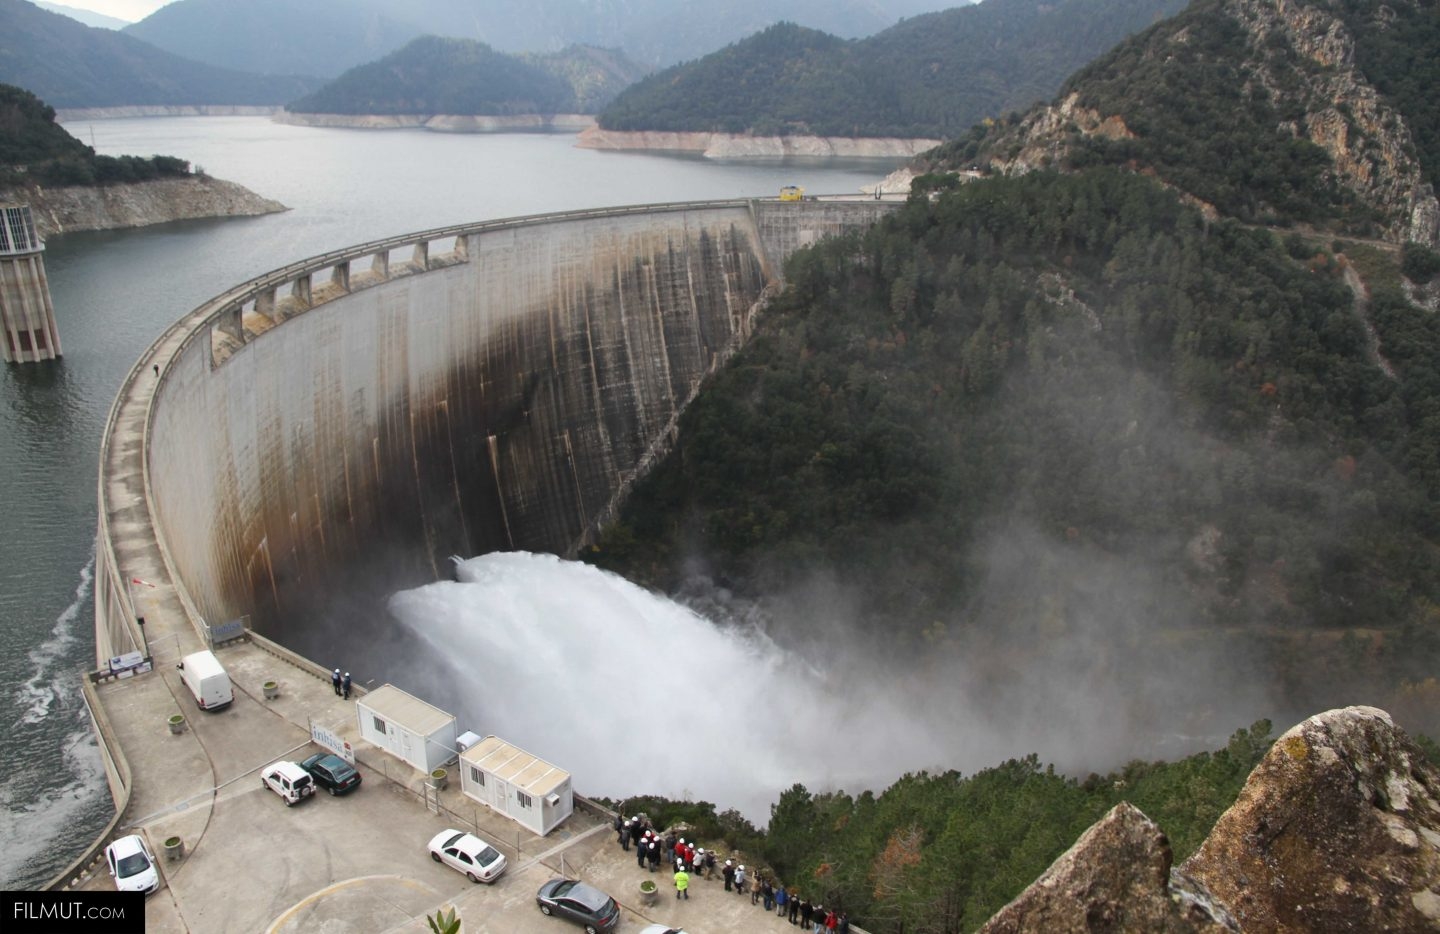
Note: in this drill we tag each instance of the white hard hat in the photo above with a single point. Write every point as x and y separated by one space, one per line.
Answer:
742 868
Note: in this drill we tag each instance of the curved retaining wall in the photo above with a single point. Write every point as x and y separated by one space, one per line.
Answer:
370 412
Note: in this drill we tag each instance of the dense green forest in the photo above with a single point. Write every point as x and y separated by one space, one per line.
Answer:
943 852
33 147
73 65
432 75
929 76
1066 410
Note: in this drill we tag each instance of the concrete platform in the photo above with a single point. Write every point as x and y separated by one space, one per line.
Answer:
355 863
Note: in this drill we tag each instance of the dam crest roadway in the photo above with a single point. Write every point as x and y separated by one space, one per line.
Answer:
334 430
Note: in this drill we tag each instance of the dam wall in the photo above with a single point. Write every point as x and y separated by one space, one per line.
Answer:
340 427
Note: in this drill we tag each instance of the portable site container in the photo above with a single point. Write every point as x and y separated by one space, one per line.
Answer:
405 726
523 787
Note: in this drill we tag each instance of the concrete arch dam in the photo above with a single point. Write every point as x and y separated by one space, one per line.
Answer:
340 427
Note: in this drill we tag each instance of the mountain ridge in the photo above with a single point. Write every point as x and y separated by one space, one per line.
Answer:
933 75
73 65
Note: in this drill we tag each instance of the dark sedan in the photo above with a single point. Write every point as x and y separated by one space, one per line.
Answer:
578 902
332 773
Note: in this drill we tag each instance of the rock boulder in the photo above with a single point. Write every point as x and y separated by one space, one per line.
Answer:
1337 829
1115 878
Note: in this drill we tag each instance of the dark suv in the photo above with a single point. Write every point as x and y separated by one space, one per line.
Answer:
578 902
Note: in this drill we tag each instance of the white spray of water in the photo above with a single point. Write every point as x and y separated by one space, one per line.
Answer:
52 679
635 694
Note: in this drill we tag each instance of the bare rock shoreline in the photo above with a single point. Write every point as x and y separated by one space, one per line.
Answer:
69 209
71 114
443 123
741 146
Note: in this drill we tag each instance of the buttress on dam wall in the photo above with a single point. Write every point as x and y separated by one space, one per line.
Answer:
346 424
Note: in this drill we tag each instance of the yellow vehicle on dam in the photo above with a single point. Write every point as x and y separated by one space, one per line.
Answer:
792 193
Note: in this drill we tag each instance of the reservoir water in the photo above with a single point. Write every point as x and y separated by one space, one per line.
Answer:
114 292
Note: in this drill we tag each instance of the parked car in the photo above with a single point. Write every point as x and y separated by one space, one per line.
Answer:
467 853
132 865
287 780
578 902
332 773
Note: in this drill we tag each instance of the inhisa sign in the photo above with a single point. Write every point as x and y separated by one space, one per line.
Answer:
332 741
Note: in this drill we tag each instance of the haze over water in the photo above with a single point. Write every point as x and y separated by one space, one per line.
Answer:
114 292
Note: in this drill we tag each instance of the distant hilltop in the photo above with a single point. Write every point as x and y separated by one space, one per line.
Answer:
929 77
463 78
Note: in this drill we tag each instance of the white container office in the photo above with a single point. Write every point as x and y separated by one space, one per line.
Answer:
525 788
407 727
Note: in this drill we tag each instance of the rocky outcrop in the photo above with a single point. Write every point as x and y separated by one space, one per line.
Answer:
1117 877
741 146
1337 829
1369 144
445 123
107 207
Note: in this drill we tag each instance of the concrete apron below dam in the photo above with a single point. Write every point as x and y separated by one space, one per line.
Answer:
355 863
248 863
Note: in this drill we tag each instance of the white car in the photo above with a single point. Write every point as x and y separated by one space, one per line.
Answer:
467 853
660 929
288 780
132 865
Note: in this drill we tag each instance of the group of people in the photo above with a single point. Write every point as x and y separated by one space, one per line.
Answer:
651 848
341 685
688 860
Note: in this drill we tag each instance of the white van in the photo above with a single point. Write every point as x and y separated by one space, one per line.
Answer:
206 678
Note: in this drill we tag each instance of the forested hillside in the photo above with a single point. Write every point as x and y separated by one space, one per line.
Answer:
943 851
1065 414
72 65
34 148
1097 454
1306 113
929 76
458 76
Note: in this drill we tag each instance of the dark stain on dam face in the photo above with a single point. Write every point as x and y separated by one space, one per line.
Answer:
500 401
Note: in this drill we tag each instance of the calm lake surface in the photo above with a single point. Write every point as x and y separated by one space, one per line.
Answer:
115 292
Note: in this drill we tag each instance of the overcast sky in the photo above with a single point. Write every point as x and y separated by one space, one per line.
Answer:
132 10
